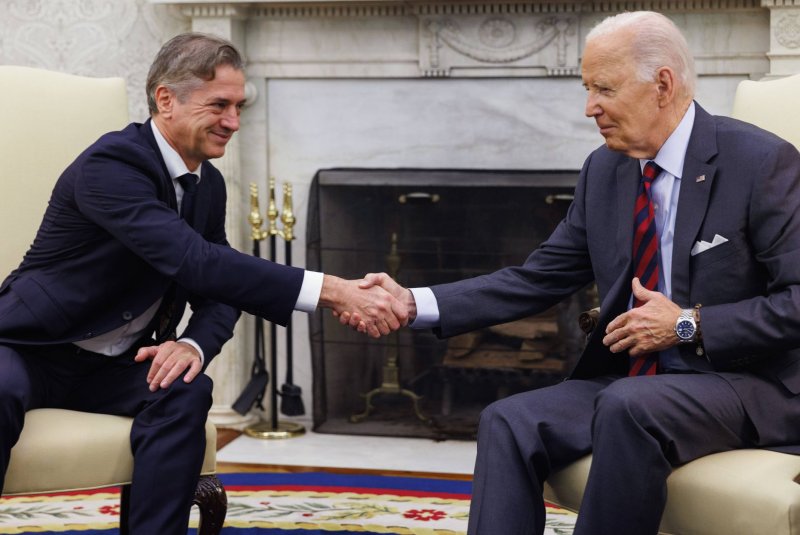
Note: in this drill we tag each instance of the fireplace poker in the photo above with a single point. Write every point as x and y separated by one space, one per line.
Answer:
253 393
272 230
291 394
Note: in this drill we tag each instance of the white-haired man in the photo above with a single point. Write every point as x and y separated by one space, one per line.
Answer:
697 263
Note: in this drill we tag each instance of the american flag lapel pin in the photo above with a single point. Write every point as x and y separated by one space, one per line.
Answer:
701 178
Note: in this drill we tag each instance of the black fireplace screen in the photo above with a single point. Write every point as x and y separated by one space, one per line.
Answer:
428 227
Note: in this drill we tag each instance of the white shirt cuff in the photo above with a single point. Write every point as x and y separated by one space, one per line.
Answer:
309 292
196 346
427 309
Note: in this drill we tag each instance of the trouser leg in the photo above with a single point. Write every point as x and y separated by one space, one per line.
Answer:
16 394
642 427
521 439
167 441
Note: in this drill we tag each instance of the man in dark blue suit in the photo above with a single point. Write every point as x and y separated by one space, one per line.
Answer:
134 230
720 324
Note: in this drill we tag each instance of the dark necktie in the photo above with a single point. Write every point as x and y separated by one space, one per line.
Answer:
189 184
166 318
645 256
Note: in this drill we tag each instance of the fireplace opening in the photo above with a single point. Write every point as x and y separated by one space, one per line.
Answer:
428 227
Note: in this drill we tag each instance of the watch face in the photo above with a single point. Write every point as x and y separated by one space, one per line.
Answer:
685 329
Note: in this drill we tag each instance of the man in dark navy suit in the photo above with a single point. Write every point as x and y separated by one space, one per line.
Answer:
135 230
697 264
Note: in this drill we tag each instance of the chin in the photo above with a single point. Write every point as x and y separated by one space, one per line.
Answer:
217 153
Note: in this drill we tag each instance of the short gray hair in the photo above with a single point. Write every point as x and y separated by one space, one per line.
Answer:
657 43
186 61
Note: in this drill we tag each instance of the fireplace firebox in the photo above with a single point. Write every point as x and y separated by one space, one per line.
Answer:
427 227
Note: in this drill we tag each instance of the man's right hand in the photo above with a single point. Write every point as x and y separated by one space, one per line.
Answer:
372 280
378 311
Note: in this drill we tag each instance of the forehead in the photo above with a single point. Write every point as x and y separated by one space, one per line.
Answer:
228 83
606 58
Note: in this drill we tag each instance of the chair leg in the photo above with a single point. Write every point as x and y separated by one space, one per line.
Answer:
211 499
124 509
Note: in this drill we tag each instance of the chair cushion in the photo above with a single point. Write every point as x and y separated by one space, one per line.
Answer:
63 450
732 493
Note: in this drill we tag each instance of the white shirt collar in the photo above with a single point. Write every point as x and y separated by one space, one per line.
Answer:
175 165
673 152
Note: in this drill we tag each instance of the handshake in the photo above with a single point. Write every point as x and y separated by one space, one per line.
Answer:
375 305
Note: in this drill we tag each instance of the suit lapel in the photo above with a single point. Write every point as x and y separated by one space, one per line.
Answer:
695 192
202 203
166 182
628 175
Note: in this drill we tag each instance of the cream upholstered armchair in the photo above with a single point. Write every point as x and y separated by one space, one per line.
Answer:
737 492
50 118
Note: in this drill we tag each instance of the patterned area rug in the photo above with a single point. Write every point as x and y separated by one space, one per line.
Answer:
312 503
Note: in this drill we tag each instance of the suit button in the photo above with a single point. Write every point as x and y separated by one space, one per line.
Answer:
127 316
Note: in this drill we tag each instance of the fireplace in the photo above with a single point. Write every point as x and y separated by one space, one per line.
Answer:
429 227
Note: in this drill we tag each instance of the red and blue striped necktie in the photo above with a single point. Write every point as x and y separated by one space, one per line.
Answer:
645 256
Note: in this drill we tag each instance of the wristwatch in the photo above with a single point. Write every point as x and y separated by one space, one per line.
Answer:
685 327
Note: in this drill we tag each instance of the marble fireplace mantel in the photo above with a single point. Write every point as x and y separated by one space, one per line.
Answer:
447 84
390 38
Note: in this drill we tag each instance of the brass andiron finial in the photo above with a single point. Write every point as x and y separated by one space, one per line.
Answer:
272 210
287 217
257 233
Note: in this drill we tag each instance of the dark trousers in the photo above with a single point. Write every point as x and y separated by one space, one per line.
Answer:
637 429
168 433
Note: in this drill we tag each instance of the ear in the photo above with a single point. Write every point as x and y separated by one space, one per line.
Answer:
665 85
165 99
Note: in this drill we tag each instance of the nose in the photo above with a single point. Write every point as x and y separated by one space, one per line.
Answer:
230 119
592 107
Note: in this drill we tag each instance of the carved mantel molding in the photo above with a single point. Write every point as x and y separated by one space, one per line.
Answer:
420 39
784 50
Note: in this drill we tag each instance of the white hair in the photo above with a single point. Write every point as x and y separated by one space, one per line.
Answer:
657 43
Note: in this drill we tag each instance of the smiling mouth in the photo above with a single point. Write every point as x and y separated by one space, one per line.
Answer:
605 130
223 137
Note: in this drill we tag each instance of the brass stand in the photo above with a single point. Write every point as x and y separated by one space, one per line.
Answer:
266 430
391 372
272 429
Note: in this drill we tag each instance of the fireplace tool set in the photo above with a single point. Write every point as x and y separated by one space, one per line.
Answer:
290 394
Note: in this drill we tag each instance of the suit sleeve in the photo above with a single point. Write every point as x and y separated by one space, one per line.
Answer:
117 191
746 331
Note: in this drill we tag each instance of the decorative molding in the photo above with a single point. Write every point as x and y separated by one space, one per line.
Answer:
221 10
334 9
787 30
471 42
329 10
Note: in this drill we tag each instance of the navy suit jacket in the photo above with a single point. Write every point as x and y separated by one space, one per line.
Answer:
740 182
111 243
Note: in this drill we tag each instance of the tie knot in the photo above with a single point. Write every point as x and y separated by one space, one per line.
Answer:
650 172
188 182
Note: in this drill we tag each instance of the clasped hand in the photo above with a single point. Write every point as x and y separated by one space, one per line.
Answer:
383 283
367 307
645 329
